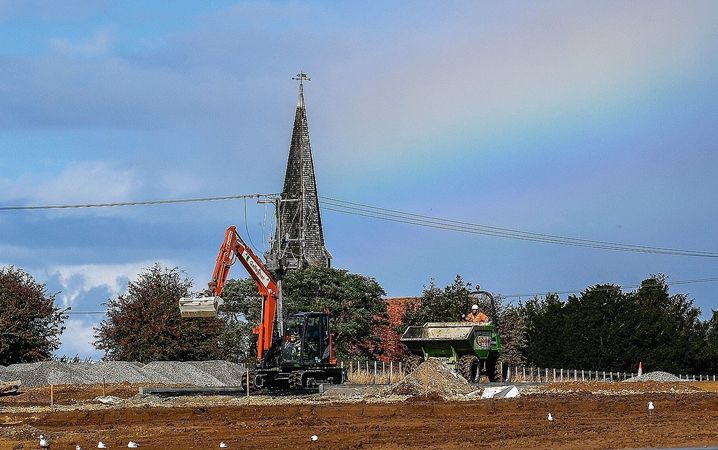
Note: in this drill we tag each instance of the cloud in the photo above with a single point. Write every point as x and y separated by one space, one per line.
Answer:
77 339
96 45
80 182
76 280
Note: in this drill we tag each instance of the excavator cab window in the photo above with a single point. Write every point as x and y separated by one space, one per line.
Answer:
312 339
292 341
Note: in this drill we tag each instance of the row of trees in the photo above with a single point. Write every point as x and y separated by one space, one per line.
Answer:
607 328
601 328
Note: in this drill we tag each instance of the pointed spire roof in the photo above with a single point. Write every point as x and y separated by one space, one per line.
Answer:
300 239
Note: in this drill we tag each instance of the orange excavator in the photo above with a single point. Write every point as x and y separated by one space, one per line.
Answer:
301 358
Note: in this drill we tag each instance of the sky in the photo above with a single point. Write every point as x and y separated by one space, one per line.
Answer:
594 120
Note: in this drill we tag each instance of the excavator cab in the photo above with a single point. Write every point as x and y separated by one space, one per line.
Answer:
306 340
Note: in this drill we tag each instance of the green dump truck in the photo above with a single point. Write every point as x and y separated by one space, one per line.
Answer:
472 349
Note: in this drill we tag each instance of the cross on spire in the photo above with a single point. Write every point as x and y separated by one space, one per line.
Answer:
301 77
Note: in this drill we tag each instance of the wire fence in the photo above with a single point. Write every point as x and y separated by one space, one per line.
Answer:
383 372
553 375
373 372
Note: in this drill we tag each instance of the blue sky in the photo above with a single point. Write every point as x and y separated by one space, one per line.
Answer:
592 120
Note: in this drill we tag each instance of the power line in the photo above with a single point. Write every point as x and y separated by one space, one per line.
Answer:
576 291
530 294
140 203
392 215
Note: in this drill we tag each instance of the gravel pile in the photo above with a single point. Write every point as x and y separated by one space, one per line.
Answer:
45 372
179 372
228 373
662 377
442 381
198 373
121 371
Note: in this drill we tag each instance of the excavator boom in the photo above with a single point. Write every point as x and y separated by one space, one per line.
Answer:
233 248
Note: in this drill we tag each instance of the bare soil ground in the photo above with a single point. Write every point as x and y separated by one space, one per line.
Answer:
582 419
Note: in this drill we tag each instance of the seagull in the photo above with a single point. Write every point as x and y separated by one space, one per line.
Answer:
314 438
651 408
133 444
223 445
101 445
550 417
44 442
77 447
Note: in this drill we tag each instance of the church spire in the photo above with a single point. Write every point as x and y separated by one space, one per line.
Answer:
299 241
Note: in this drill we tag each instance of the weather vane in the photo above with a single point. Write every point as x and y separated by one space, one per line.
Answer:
301 77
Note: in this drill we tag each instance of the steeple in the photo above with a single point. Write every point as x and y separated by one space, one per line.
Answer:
299 241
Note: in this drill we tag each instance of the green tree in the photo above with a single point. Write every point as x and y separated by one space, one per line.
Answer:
241 311
145 324
607 329
354 302
709 354
30 322
440 305
544 319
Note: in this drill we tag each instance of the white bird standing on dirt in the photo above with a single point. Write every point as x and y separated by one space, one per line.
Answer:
77 447
223 445
44 442
101 445
550 417
133 444
314 438
651 408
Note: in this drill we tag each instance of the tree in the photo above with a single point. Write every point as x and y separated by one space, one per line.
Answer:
145 324
439 305
241 311
30 322
354 302
608 329
512 327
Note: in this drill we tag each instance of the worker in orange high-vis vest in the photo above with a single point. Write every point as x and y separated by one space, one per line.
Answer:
476 316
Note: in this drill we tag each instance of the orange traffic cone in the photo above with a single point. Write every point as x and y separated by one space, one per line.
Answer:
640 368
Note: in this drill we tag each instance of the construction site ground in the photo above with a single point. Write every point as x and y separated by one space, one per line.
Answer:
587 415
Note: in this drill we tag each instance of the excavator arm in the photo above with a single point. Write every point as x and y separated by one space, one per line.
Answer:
233 249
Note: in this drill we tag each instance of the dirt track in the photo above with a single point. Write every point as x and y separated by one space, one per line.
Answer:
582 420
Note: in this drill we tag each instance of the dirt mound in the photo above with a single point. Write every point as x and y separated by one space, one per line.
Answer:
432 378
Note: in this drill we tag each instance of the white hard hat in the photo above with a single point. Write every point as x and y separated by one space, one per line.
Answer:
475 307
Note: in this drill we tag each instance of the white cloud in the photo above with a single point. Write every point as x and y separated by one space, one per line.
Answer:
98 44
77 280
78 182
77 339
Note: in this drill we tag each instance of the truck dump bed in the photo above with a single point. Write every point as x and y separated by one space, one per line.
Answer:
439 337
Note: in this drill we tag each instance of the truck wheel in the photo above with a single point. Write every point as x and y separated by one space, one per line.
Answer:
411 362
468 367
494 369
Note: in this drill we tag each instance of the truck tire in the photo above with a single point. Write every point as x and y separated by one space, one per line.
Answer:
495 372
468 367
411 362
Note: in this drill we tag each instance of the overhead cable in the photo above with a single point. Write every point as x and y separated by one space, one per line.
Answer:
392 215
140 203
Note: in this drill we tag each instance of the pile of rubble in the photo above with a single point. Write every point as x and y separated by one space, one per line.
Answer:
661 377
197 373
432 378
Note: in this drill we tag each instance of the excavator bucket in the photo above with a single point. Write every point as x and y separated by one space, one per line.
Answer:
200 306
